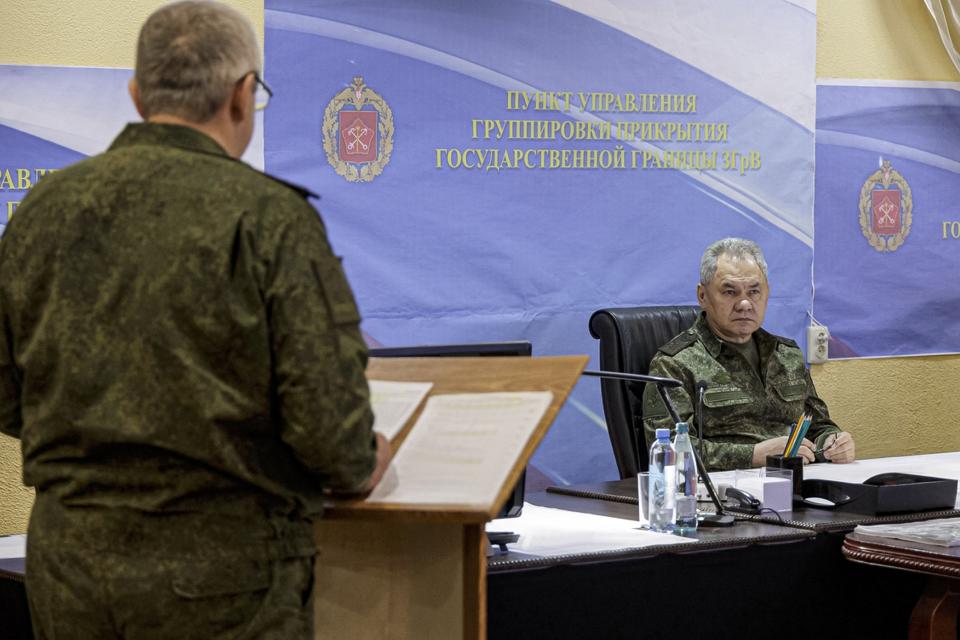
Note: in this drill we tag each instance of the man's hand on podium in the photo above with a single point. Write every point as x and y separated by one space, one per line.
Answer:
384 456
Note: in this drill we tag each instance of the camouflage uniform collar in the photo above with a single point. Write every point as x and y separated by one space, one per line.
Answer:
172 135
714 345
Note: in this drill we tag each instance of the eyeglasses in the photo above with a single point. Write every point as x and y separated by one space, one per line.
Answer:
262 92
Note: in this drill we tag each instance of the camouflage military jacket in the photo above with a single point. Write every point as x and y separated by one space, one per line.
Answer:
741 408
179 337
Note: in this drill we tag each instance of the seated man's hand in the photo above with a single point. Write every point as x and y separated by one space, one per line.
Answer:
839 447
775 446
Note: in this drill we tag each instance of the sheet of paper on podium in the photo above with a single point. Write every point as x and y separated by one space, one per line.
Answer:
461 448
394 402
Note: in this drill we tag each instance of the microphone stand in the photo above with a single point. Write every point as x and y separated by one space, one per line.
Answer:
718 519
701 388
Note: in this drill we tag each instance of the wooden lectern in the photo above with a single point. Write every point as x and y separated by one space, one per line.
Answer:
419 571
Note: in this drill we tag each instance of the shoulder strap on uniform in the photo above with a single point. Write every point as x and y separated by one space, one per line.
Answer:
789 342
764 336
679 343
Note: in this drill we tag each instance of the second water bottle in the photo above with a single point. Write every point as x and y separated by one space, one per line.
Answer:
686 481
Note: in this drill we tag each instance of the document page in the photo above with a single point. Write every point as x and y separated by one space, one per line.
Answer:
394 403
461 448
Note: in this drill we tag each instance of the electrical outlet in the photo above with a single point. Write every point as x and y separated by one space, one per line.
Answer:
818 337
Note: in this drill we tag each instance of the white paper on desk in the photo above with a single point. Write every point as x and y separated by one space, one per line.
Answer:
394 402
551 532
13 547
461 449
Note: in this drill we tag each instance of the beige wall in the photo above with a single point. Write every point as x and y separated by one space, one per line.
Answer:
893 406
880 39
83 33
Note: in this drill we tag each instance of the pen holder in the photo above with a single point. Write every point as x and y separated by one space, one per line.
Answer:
795 464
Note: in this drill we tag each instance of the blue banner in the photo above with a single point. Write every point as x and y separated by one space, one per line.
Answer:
500 170
887 224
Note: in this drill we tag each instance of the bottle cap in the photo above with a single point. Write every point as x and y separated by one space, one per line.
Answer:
663 434
682 427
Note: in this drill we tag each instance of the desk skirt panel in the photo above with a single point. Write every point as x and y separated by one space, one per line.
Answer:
801 589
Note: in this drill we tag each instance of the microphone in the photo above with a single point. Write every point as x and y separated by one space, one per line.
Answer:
701 389
719 519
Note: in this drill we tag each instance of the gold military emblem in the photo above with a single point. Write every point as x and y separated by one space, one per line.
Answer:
358 132
886 208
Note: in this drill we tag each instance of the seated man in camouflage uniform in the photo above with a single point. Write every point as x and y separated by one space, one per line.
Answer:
758 384
182 361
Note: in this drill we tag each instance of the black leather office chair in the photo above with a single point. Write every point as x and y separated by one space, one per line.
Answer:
629 338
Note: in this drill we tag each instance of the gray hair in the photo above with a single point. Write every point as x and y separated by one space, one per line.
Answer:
190 55
736 248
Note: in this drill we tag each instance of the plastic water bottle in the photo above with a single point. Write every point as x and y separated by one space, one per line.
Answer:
686 480
663 483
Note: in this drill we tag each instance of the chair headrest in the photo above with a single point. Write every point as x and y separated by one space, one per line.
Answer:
635 333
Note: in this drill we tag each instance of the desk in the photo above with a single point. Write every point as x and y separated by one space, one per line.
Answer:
14 612
935 614
743 579
731 583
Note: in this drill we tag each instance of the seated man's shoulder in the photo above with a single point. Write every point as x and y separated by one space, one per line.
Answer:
783 343
679 343
788 353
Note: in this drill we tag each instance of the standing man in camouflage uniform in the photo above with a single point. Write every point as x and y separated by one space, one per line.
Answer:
758 383
181 359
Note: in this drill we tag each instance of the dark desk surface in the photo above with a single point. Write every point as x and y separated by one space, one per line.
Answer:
14 611
14 568
810 518
743 533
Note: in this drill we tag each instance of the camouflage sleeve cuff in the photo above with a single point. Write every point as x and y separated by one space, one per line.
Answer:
353 479
741 455
726 456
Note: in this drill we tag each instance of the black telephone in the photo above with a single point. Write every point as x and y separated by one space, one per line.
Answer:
744 501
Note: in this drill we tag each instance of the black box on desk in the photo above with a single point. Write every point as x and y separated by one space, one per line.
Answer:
885 493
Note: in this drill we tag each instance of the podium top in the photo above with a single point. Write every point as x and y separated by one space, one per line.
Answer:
556 374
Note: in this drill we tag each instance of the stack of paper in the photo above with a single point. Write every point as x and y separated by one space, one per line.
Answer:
942 533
